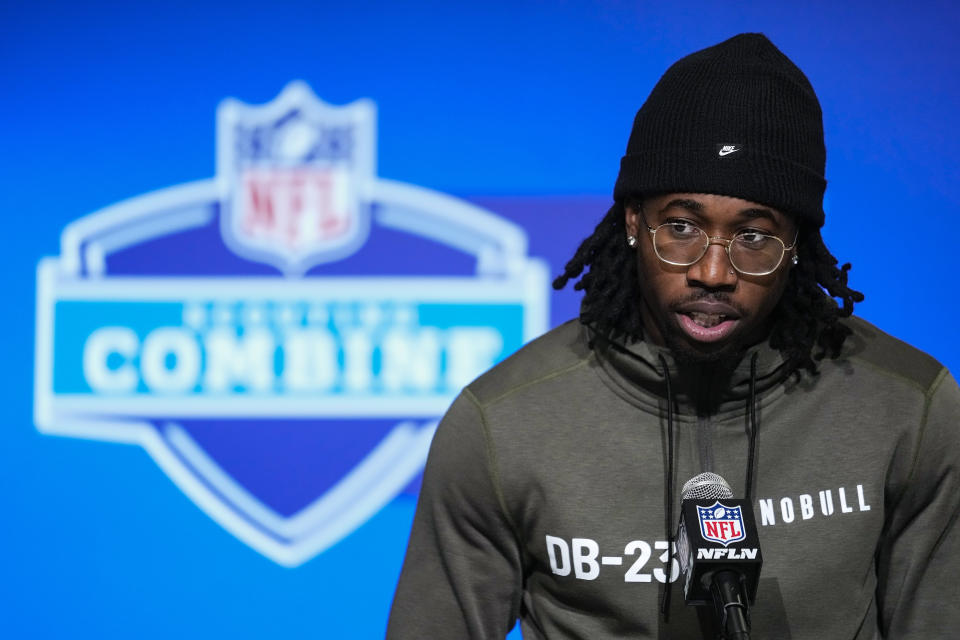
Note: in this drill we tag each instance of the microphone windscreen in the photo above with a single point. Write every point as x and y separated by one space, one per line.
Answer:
706 486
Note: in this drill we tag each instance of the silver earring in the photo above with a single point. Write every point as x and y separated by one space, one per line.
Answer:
732 272
632 242
794 259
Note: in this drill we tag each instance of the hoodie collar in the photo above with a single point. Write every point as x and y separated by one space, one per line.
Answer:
637 369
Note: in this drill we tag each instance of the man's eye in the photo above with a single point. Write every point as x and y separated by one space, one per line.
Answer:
682 229
753 238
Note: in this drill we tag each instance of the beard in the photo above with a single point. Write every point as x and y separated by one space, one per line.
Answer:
685 353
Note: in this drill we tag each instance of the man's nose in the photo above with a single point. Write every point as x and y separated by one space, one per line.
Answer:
713 270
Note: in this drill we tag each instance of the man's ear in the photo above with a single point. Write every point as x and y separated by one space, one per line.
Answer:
632 219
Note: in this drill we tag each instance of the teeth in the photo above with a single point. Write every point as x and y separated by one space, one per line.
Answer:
707 319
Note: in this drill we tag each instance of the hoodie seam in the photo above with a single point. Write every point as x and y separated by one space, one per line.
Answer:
927 400
492 460
493 466
900 377
529 383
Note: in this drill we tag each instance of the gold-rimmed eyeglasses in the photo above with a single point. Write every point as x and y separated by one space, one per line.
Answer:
751 252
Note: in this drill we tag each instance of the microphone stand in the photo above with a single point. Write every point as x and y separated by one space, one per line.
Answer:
731 604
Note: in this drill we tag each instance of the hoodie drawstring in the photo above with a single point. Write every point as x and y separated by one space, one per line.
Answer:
752 455
668 498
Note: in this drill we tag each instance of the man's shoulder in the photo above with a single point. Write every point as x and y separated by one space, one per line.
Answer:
555 353
892 356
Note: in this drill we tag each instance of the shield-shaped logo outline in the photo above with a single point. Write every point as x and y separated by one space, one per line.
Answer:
504 272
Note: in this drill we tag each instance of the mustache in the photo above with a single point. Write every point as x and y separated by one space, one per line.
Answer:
709 296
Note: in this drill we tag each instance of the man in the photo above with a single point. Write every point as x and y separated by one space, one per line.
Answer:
710 339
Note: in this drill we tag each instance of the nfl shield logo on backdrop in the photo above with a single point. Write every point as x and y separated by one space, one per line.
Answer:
721 524
295 178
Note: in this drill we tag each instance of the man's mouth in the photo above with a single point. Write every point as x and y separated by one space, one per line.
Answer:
707 327
707 319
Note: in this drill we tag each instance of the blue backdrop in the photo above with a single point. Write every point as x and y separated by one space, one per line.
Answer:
520 108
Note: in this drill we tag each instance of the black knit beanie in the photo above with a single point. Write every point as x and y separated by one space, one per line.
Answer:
737 119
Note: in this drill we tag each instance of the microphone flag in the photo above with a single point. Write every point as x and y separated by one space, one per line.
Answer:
717 535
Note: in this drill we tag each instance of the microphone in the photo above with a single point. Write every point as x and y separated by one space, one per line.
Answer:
719 552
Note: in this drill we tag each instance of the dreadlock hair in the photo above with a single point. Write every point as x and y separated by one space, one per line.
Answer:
611 286
807 315
805 325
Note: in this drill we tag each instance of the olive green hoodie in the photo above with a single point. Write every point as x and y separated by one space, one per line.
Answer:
544 494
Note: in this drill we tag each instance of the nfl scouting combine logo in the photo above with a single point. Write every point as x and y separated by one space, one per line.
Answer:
721 524
282 338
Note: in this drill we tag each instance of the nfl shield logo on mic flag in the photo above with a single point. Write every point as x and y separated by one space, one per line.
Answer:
721 524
